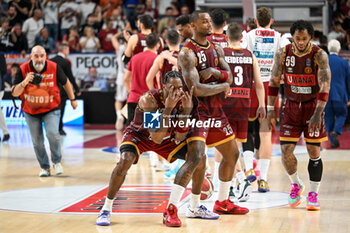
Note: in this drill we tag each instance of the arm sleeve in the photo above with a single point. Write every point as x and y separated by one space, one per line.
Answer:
61 77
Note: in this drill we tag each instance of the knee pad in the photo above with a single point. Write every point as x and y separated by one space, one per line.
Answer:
315 169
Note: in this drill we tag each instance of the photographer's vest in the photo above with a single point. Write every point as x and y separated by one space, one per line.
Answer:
46 96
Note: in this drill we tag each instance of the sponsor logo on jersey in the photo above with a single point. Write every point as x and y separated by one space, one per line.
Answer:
301 80
239 92
308 62
308 70
265 69
265 62
301 90
265 40
260 54
290 70
265 33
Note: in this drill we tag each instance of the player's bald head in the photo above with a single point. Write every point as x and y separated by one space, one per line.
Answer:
38 49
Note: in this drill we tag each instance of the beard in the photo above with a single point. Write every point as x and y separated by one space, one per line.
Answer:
39 66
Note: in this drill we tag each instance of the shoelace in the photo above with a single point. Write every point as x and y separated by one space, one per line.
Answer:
313 198
295 190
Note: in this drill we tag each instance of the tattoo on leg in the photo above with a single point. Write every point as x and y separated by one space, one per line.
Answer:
288 159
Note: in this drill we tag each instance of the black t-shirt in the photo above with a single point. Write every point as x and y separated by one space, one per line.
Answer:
22 4
60 77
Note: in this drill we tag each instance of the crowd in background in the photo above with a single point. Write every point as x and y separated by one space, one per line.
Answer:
86 25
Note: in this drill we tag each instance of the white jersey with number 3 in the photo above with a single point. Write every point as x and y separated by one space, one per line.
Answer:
264 43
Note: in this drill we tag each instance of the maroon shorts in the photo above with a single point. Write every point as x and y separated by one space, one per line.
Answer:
295 121
138 143
217 132
240 129
254 104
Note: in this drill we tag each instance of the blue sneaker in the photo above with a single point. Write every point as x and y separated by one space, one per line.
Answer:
104 219
201 212
172 172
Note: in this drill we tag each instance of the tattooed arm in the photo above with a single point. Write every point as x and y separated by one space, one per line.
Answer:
324 82
213 72
275 82
187 63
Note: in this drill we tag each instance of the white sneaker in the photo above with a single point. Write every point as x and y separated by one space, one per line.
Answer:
119 123
200 212
58 168
44 173
243 191
104 219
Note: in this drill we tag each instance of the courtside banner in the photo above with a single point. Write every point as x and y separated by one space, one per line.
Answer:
106 64
15 116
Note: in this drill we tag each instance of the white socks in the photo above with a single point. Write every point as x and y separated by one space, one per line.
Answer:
216 173
233 182
224 189
194 202
240 176
294 178
108 204
264 168
248 157
314 186
176 194
119 114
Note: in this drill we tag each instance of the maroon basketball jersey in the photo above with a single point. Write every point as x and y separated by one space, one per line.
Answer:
218 39
141 44
167 66
300 74
206 56
237 103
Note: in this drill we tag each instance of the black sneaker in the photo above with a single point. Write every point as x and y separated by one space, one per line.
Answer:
335 139
6 137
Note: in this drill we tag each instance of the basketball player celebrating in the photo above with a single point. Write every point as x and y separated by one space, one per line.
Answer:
195 57
245 70
263 42
307 82
168 142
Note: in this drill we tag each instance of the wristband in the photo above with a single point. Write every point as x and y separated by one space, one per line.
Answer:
223 76
273 91
322 96
23 86
73 99
270 108
182 130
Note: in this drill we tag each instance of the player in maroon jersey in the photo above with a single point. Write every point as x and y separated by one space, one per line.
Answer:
137 42
245 69
165 62
307 79
203 67
184 27
218 19
169 104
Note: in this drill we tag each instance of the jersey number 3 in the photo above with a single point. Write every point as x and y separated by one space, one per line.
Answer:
238 79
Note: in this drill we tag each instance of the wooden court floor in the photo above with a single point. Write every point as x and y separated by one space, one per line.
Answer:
87 165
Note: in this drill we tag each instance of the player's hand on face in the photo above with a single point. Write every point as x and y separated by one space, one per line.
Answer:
187 99
261 112
271 119
173 97
206 74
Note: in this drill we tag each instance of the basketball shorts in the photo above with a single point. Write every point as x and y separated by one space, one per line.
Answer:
254 104
216 129
295 121
137 143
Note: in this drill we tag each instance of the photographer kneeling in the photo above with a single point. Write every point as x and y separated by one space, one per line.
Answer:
40 95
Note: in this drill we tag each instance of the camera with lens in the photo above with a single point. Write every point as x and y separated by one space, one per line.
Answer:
37 79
